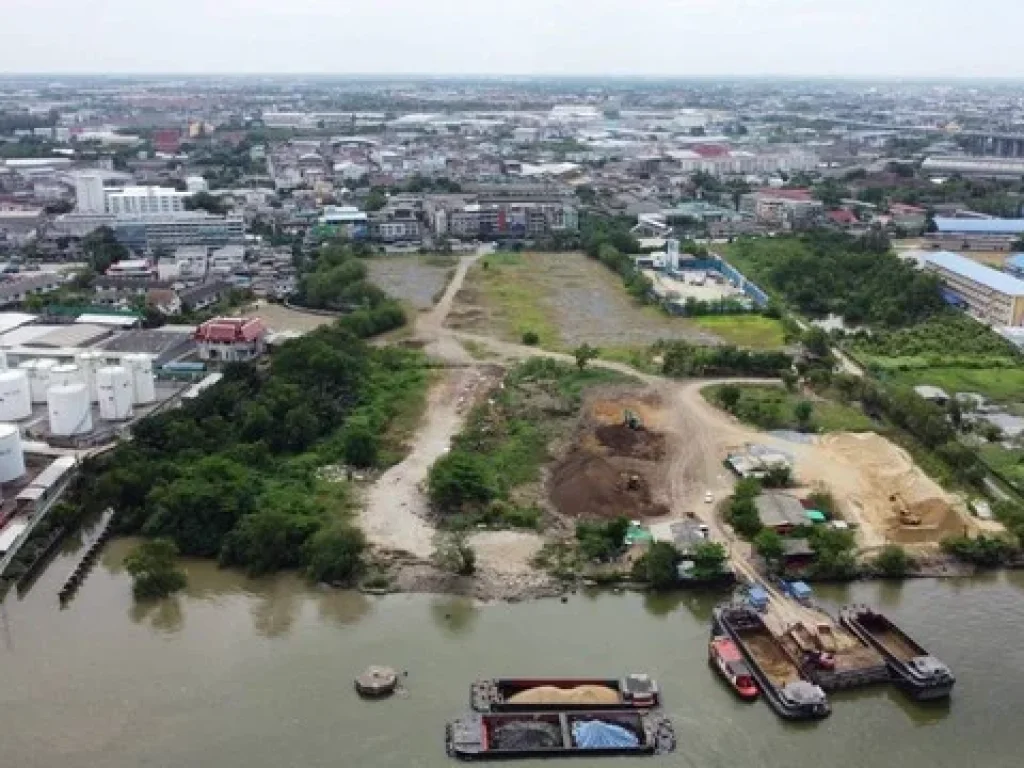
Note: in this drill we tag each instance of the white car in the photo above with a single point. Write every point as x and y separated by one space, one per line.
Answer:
708 497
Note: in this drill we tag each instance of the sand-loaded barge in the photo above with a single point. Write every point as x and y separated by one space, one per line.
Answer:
777 675
586 733
922 675
634 691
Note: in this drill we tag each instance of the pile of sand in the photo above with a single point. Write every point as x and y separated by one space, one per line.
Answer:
596 695
588 485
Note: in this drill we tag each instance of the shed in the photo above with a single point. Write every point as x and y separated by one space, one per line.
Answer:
932 394
780 511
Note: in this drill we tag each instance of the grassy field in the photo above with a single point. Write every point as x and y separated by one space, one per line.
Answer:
753 331
1010 464
568 299
1000 384
772 407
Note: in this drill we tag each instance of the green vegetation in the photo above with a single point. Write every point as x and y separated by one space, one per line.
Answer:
335 279
234 473
708 561
455 555
102 249
505 442
768 545
1004 385
584 354
660 563
749 331
154 569
531 338
682 360
1009 464
741 512
983 551
610 242
893 562
834 553
601 541
822 273
771 407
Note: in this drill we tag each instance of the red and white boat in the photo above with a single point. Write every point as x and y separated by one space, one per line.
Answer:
727 659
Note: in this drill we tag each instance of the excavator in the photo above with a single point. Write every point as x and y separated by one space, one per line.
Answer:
907 515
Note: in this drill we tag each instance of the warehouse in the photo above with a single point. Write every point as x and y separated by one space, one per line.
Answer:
992 296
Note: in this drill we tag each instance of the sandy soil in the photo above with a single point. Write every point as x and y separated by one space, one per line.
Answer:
280 318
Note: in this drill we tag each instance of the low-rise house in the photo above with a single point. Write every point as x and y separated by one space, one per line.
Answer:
202 296
231 339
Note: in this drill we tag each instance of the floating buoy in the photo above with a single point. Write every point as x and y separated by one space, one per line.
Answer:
376 682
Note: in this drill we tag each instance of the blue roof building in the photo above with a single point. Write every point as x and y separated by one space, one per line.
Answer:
1004 227
992 296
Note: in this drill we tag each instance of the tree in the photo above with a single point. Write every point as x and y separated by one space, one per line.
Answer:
768 544
803 411
335 554
789 380
360 444
817 343
102 249
584 354
268 541
461 479
893 561
376 200
204 201
455 555
530 338
708 561
154 569
729 396
661 561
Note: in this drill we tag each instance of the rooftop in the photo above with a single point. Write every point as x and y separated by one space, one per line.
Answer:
980 226
972 270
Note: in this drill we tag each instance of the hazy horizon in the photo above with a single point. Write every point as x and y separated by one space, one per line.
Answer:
669 39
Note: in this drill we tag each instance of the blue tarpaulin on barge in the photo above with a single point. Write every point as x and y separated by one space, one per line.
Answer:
597 734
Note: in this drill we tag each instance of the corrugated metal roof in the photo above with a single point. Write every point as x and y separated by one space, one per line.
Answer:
972 270
980 226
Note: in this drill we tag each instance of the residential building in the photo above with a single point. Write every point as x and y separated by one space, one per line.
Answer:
131 268
145 201
782 208
347 220
231 339
992 296
780 512
205 295
16 291
506 219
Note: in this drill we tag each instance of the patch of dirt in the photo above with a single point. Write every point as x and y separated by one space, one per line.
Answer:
588 485
611 407
631 443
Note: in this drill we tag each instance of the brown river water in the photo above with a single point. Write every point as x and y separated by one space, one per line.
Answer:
236 673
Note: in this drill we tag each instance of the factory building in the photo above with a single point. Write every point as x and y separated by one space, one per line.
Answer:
992 296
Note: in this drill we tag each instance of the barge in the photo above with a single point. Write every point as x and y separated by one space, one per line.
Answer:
922 675
777 674
586 733
564 694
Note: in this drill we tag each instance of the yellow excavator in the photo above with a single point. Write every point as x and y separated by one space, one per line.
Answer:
907 515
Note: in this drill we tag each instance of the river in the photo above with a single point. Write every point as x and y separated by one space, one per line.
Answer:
236 673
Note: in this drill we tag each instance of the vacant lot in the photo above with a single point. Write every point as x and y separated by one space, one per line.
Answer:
415 280
753 331
565 298
1004 385
772 407
280 318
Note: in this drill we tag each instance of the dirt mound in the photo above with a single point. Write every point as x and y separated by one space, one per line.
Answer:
632 443
612 410
588 485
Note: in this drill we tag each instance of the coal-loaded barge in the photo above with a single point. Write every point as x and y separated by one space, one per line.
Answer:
586 733
922 675
778 677
564 694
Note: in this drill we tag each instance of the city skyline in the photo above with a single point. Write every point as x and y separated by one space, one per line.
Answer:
661 38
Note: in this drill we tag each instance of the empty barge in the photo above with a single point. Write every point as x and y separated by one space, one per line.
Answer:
922 675
508 735
563 694
776 673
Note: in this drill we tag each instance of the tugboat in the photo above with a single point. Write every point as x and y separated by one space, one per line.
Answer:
636 691
727 659
558 734
777 675
919 673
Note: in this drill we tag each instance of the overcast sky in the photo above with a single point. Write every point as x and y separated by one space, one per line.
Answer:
664 37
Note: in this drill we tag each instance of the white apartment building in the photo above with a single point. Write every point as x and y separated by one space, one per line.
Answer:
90 197
145 201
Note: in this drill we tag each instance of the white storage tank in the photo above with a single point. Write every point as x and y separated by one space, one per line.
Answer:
12 457
70 411
64 375
38 376
89 363
15 397
116 392
141 367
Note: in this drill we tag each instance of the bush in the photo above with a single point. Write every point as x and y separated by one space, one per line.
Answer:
531 338
601 541
708 561
455 555
461 479
743 517
335 554
893 562
154 569
768 544
983 551
360 444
